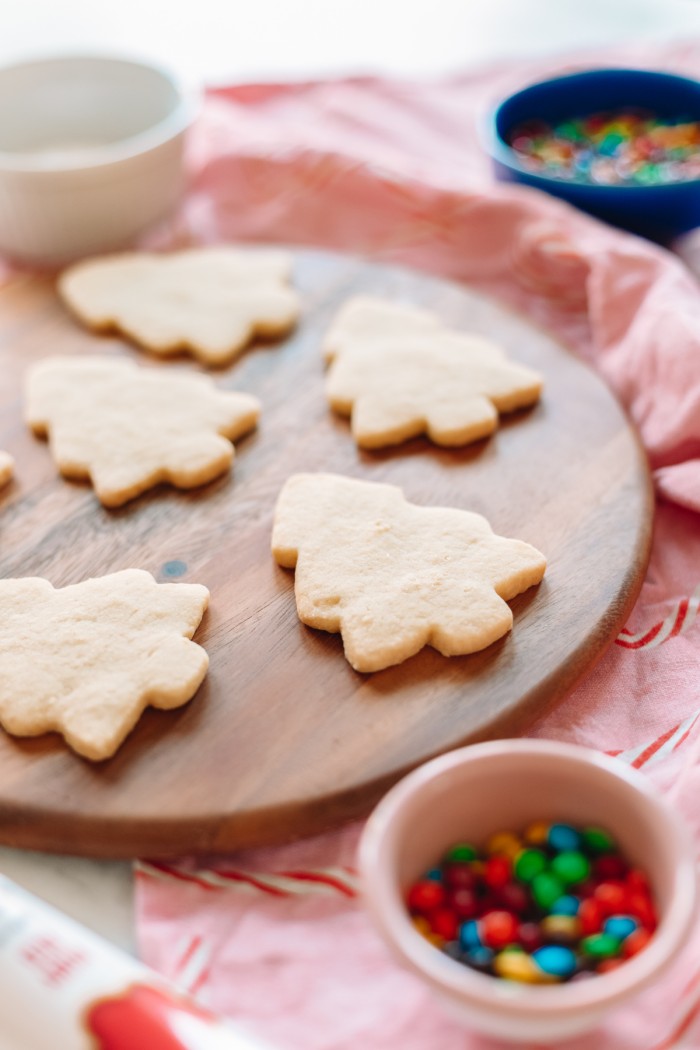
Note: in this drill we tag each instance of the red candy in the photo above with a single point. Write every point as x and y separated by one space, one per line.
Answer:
612 898
488 903
425 896
499 929
635 942
465 903
586 889
498 872
637 881
514 897
590 916
529 936
445 923
608 965
610 866
640 907
460 875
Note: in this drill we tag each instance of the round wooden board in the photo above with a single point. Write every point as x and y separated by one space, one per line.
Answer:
284 739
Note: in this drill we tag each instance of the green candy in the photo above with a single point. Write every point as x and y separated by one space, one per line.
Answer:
596 840
462 853
600 945
571 867
528 864
546 889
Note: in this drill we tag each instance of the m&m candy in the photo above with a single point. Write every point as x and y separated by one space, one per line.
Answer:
529 864
518 966
571 867
553 903
561 928
629 147
562 838
620 926
555 960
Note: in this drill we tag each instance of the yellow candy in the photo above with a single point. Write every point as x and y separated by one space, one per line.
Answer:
536 834
561 927
504 844
422 926
518 966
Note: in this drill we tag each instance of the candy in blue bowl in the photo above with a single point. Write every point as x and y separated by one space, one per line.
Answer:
622 144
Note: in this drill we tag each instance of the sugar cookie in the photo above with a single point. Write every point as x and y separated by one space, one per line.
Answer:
392 577
209 301
86 660
128 428
398 373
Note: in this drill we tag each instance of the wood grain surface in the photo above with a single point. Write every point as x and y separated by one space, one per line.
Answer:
284 738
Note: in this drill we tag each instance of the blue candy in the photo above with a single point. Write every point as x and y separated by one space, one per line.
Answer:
563 838
568 905
556 960
469 935
480 958
620 926
434 875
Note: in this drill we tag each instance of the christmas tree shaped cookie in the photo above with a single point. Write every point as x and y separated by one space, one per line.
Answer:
392 577
7 466
86 660
398 373
127 428
209 301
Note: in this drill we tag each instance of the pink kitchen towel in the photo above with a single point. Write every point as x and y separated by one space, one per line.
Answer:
276 938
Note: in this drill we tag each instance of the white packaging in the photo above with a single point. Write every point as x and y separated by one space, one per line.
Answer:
64 988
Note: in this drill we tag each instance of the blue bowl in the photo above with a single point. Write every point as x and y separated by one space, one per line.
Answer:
659 212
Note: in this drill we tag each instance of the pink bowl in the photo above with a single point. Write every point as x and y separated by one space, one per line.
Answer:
470 794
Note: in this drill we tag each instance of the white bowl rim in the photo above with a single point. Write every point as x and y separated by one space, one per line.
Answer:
453 979
178 120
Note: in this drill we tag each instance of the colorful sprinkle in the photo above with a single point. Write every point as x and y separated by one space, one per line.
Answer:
631 147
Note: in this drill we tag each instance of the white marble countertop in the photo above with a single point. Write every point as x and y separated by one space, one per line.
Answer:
297 38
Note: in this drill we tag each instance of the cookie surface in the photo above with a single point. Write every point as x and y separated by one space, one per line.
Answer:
86 660
397 372
7 468
210 302
392 577
128 428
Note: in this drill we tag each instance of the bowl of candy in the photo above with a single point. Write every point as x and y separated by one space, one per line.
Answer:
534 886
622 144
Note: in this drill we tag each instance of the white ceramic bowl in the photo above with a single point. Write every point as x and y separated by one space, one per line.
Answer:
470 794
90 155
